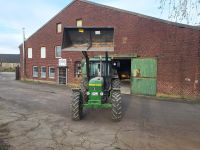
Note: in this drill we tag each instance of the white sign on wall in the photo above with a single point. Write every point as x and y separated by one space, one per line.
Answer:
62 62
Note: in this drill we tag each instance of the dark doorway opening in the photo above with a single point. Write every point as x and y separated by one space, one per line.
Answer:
124 70
62 75
124 73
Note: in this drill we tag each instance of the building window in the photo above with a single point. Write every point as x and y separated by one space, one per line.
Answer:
77 69
79 22
30 53
43 72
58 51
59 27
35 71
43 52
51 72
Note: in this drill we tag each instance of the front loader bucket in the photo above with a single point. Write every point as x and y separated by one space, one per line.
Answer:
88 39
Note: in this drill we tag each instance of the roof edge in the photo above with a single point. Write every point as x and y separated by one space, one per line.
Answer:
144 16
119 10
49 21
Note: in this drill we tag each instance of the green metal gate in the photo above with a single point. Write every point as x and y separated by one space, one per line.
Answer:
143 76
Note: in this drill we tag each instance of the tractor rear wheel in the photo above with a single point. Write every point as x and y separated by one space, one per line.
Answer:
76 106
116 106
116 83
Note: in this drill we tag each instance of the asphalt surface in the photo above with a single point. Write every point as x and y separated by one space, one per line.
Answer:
37 117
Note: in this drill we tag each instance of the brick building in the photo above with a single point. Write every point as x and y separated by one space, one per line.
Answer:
8 62
173 49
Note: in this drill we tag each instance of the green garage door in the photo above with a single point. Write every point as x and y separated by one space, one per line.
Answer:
143 76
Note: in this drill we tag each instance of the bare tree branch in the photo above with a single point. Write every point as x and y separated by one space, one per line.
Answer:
185 11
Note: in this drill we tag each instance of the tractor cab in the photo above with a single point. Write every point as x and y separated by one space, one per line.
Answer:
97 67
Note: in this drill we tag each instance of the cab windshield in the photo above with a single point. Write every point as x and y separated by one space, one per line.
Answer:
98 69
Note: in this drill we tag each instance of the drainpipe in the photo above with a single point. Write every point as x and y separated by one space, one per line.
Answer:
23 49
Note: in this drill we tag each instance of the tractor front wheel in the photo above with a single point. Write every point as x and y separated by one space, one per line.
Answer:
116 106
76 106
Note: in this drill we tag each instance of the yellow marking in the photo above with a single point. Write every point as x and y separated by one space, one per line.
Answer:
81 30
95 84
136 72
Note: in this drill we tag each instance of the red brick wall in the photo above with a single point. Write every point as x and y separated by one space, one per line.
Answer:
177 49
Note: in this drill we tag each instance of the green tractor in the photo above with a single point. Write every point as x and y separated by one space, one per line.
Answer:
100 86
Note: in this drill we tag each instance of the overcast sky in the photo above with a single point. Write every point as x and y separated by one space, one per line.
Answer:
32 14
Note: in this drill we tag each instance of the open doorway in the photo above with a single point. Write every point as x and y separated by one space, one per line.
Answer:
124 73
62 79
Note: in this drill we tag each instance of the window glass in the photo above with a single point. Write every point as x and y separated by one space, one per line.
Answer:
29 52
43 52
43 72
35 71
51 72
79 22
97 69
58 51
77 70
59 28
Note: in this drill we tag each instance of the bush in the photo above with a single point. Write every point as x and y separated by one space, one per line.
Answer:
10 69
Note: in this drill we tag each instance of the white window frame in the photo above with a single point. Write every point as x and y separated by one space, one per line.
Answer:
33 74
58 27
77 69
43 52
30 52
56 52
42 73
52 77
79 22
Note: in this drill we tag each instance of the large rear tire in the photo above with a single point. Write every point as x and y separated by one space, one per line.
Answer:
115 83
76 106
116 106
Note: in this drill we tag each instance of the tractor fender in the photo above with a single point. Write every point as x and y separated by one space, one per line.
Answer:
116 89
76 90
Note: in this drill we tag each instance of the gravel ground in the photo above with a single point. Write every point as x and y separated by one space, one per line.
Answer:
37 117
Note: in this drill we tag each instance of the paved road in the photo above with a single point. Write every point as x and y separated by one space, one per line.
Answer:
7 76
37 117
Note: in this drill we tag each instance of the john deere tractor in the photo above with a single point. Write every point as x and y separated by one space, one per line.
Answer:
100 86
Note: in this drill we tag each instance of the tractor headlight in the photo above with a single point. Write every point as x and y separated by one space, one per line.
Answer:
101 93
94 93
88 93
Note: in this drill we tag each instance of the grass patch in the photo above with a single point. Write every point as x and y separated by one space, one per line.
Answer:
4 145
178 98
40 82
